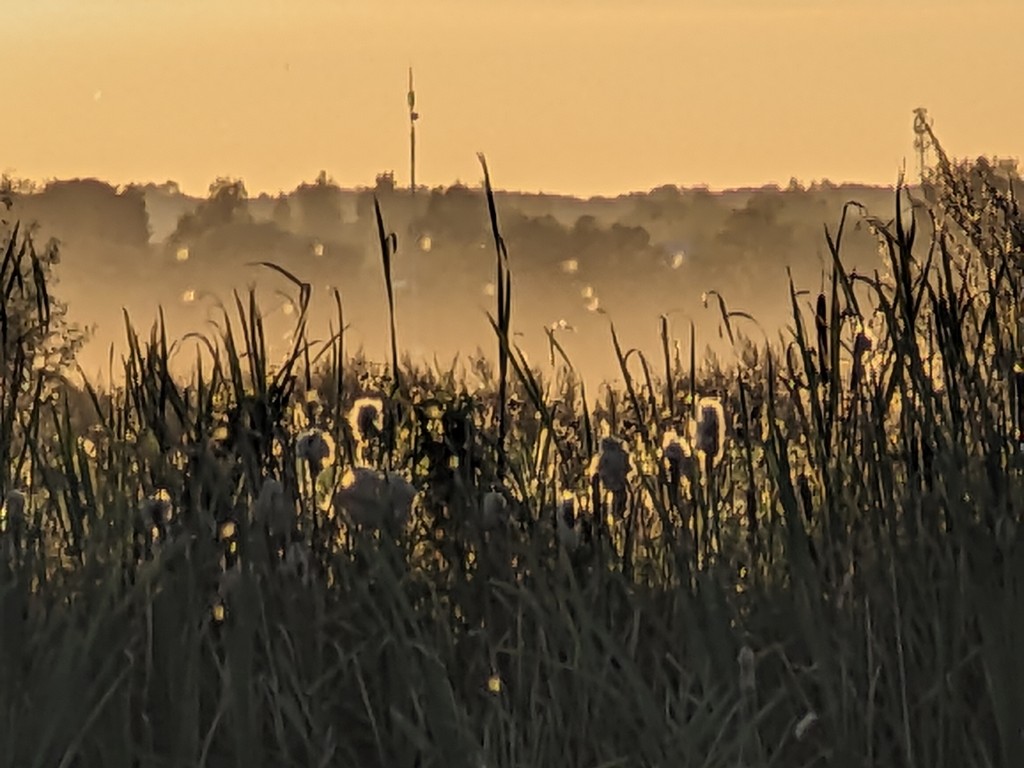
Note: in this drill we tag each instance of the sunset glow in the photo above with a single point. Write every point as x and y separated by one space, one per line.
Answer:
584 98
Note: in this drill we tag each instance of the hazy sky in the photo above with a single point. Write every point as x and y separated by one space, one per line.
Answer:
585 97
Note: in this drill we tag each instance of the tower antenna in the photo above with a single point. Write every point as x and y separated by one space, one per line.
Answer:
413 117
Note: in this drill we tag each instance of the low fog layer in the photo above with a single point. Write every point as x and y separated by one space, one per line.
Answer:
576 264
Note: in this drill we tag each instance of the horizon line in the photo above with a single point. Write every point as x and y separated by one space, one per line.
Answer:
41 184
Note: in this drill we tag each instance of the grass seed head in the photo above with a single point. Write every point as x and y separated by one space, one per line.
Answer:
495 510
155 512
13 512
673 447
313 447
494 684
565 523
710 428
613 464
366 418
862 343
373 499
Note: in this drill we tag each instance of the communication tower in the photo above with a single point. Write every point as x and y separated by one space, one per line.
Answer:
413 117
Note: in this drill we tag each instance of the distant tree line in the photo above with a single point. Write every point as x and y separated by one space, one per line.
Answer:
731 239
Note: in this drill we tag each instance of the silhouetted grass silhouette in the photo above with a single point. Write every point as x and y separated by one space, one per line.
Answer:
812 556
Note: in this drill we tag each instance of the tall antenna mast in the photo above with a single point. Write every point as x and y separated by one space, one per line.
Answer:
413 117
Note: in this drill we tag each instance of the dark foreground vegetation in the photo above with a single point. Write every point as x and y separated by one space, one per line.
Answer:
809 555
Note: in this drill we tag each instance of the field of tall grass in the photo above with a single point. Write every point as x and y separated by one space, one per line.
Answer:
807 555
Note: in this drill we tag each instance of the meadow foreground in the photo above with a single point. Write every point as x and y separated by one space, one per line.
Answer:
808 555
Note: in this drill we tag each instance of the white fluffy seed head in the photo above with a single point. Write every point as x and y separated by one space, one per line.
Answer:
312 447
567 530
366 418
374 499
709 437
673 448
613 464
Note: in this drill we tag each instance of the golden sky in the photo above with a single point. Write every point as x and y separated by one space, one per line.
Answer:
573 96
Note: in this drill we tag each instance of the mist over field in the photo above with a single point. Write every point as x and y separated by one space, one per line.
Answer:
633 257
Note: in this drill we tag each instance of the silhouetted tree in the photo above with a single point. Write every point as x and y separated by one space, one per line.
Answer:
282 215
384 183
78 209
319 205
37 343
455 217
227 203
